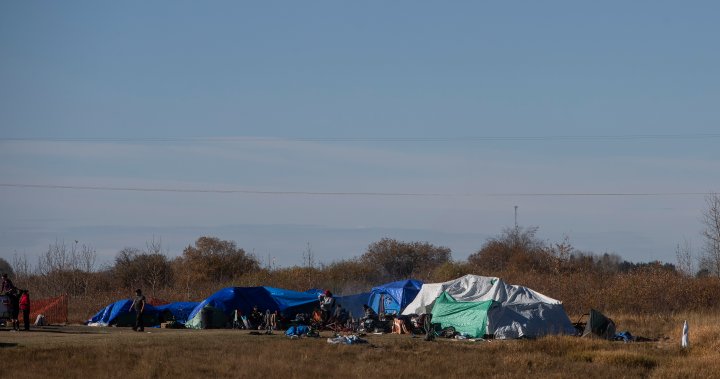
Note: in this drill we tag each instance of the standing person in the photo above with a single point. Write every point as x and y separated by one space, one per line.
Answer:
7 285
138 305
15 308
25 308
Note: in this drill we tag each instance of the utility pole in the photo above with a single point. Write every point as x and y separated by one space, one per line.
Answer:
516 224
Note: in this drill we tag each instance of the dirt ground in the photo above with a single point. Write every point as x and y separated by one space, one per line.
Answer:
107 352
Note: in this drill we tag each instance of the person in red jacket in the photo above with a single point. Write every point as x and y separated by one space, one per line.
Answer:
25 308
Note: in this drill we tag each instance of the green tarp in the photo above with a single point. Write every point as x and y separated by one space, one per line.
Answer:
467 317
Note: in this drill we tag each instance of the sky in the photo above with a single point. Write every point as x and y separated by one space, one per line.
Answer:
328 125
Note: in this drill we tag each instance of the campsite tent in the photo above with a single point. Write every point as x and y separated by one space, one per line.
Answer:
392 298
353 303
599 326
522 312
119 314
217 310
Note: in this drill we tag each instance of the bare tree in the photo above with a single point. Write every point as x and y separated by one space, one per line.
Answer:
308 256
21 266
685 259
84 263
66 269
6 268
156 268
711 218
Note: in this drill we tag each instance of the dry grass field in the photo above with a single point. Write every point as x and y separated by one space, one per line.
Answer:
84 352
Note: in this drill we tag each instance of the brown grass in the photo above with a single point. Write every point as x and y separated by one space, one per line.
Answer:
119 352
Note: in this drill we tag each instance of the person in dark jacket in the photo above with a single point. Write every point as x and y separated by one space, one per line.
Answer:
7 285
14 297
256 318
138 305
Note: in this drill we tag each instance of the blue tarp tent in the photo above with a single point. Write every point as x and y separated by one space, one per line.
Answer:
179 310
119 314
393 297
354 303
217 310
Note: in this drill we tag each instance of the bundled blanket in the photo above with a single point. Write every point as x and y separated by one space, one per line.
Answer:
346 340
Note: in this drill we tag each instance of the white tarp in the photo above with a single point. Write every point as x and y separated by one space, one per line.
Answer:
521 312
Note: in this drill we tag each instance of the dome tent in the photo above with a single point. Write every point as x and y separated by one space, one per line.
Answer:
119 313
521 312
392 298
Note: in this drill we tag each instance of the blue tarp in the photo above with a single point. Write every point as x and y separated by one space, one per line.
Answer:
119 314
354 303
297 330
179 310
393 297
227 300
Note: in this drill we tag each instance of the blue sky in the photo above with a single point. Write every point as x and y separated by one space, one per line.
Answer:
324 97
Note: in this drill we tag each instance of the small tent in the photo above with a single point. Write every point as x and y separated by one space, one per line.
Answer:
522 312
217 310
392 298
599 326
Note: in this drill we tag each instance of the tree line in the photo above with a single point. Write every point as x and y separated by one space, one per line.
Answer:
580 279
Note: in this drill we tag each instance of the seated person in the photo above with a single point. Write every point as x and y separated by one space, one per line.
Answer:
256 318
341 315
327 303
369 314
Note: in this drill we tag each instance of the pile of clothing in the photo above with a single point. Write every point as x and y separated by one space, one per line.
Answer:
346 340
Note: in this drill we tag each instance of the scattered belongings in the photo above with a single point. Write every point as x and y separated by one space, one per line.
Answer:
297 331
172 325
346 340
624 336
40 320
399 326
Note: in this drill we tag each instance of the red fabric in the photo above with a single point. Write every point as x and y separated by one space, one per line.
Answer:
24 301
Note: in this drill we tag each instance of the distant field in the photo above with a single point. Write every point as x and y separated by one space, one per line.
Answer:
78 351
